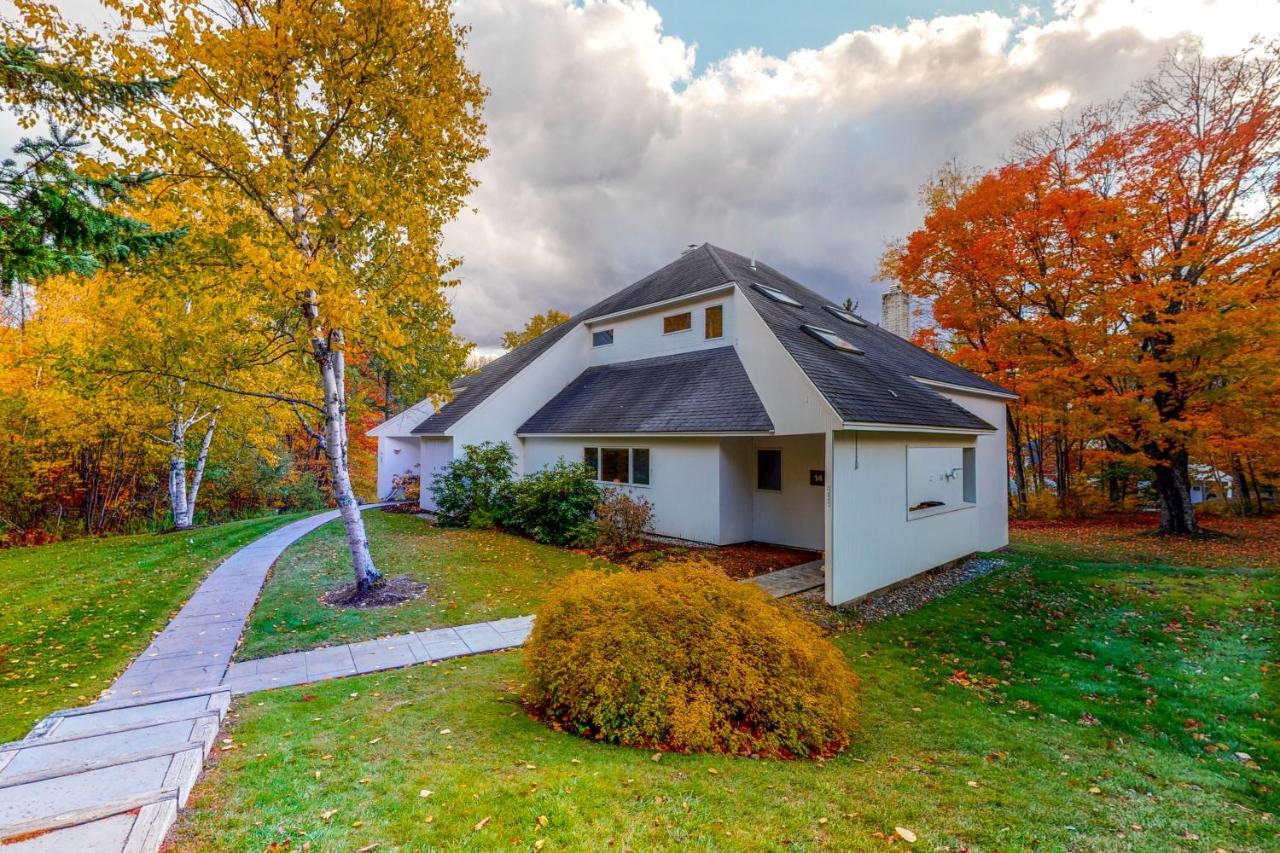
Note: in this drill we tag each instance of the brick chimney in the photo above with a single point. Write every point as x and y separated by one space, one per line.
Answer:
895 312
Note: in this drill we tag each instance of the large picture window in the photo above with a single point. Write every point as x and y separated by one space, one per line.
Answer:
940 479
625 465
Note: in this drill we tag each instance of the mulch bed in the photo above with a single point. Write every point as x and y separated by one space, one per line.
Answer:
392 591
744 560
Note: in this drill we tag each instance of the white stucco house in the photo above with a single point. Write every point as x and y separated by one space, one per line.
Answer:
746 407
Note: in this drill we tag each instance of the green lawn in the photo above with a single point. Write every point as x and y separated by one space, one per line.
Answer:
1052 705
471 575
75 613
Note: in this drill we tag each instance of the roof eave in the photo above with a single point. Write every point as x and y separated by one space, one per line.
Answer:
723 287
966 389
875 426
732 433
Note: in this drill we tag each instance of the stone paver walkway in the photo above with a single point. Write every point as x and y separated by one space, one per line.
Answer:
377 655
402 650
790 581
193 651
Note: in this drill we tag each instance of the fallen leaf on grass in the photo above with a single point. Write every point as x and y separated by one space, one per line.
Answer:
972 784
375 740
368 847
905 834
481 825
713 771
326 815
424 793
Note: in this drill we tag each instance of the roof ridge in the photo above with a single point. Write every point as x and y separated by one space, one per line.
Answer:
714 253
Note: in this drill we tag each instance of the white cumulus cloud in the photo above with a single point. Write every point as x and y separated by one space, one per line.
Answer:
609 153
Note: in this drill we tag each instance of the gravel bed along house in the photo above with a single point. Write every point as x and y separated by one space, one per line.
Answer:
901 598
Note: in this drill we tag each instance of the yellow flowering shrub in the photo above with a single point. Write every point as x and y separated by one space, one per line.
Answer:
684 659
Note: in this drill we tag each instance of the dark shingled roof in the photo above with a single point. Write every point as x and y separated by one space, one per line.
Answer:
875 387
687 274
700 391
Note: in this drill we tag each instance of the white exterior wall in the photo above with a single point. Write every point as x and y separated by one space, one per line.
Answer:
434 454
872 541
737 481
503 412
992 469
640 336
793 403
396 456
684 475
793 516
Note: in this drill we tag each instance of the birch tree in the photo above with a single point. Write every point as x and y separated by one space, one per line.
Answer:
335 139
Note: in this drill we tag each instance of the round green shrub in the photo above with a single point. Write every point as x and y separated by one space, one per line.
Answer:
685 659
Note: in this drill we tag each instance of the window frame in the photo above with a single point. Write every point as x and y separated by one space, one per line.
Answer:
688 315
968 482
607 343
599 450
759 488
776 295
847 316
706 322
831 339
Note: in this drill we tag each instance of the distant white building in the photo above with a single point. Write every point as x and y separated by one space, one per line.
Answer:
745 407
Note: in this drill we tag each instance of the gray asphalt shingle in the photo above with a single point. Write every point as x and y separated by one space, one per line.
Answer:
873 387
701 391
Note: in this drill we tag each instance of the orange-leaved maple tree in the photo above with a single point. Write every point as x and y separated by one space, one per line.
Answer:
1123 270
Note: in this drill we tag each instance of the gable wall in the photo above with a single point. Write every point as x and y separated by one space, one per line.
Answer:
502 413
793 403
641 336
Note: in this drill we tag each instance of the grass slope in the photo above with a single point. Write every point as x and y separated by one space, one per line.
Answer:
1052 705
75 613
471 575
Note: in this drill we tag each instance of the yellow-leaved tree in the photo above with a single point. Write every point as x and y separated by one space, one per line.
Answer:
328 143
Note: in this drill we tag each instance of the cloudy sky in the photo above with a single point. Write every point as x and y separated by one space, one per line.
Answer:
798 131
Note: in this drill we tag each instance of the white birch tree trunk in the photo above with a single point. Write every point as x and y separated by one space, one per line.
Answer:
178 472
197 476
331 362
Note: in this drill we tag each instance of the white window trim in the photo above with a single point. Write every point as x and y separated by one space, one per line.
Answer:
929 512
631 464
915 515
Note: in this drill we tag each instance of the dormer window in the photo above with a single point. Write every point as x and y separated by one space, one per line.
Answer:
673 323
847 316
602 338
777 295
831 339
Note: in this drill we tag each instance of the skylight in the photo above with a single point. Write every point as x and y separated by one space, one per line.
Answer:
847 316
831 339
777 295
